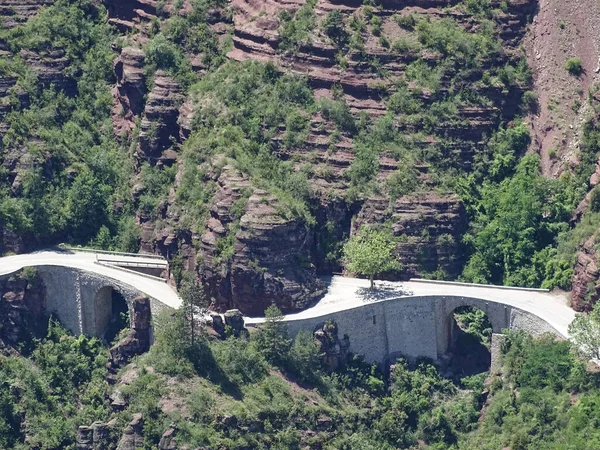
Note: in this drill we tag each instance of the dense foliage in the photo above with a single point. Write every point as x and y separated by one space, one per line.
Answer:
76 172
45 398
369 252
272 392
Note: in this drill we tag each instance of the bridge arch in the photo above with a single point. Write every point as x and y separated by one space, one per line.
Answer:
110 301
497 313
415 326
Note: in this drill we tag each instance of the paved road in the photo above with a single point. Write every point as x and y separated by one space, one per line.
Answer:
346 293
87 261
343 293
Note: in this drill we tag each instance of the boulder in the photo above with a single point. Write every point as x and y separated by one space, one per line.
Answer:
133 436
333 350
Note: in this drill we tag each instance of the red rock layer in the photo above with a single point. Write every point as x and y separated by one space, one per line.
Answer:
270 262
585 290
429 227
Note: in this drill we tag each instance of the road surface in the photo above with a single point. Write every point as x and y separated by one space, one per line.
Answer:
87 261
343 293
346 293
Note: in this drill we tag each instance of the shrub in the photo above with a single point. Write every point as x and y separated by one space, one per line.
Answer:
334 27
574 66
530 101
162 53
406 21
595 199
272 339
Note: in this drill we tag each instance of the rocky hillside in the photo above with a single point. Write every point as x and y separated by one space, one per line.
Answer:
246 140
359 73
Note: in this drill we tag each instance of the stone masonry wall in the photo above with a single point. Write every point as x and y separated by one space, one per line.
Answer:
415 326
80 299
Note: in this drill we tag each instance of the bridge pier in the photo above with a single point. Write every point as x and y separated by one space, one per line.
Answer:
496 351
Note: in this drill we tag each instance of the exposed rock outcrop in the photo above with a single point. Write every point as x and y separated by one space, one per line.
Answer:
133 436
167 440
159 129
130 15
22 307
429 227
50 69
129 91
16 12
333 349
138 340
94 437
235 320
258 257
585 290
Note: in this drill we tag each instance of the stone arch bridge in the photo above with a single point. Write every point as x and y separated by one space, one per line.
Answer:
415 318
411 319
80 285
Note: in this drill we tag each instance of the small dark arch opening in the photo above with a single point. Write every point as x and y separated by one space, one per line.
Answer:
119 316
469 342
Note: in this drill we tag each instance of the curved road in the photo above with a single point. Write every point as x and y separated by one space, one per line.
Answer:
87 261
346 293
343 293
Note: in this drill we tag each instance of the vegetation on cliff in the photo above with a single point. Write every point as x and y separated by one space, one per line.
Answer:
450 123
74 174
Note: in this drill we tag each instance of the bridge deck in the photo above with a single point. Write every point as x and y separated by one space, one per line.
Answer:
348 293
343 293
87 261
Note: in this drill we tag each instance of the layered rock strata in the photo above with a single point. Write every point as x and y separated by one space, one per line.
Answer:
429 228
137 341
22 307
257 258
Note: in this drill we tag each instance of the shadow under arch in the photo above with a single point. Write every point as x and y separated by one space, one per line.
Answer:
111 312
469 342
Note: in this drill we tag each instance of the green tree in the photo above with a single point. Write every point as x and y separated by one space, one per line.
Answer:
86 205
193 303
305 358
334 27
574 66
585 333
272 339
370 252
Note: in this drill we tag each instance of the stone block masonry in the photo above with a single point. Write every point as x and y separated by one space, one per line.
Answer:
83 300
417 326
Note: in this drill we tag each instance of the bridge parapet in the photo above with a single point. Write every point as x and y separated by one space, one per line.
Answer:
417 326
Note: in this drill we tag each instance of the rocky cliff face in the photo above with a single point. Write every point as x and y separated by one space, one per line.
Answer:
137 341
429 227
22 308
129 91
15 12
159 130
249 255
586 286
562 30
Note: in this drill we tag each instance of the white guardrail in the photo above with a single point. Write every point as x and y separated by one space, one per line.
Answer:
107 252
